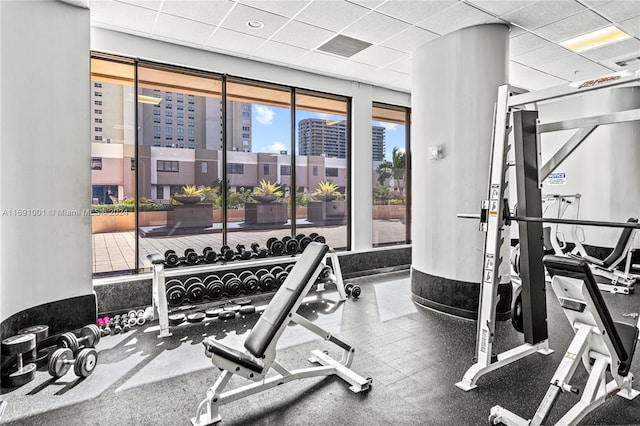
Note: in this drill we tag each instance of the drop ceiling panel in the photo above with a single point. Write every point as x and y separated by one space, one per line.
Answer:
279 52
279 7
631 26
620 9
370 4
621 50
526 42
458 16
552 52
333 15
501 7
375 27
233 41
207 12
523 76
414 11
116 14
302 35
237 21
378 56
543 13
573 70
354 69
573 26
149 4
318 61
410 39
385 76
175 28
403 65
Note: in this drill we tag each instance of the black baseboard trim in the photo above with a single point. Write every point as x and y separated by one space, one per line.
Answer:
459 298
60 315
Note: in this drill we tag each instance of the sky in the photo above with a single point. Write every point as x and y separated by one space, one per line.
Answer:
271 128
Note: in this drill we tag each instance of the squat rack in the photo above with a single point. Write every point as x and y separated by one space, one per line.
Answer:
495 214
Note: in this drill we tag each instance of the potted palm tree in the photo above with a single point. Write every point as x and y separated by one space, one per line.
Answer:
266 192
327 191
190 194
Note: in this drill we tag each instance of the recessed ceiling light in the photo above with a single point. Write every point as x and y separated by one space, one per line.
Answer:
256 25
595 39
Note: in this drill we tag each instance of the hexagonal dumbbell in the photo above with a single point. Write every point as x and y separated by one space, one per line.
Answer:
62 359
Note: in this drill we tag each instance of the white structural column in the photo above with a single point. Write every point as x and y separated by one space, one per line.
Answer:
454 90
361 160
45 185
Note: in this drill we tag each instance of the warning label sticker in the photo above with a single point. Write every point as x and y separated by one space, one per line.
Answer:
495 192
488 276
488 262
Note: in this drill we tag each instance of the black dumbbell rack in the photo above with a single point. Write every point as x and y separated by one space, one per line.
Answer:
161 305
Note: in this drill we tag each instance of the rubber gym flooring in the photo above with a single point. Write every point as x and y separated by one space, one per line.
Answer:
414 355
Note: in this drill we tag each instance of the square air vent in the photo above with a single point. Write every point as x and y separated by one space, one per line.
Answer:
344 46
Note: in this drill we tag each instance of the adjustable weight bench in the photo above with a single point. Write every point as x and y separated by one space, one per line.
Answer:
621 282
600 343
260 345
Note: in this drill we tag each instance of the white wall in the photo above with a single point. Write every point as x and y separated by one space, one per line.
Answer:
44 153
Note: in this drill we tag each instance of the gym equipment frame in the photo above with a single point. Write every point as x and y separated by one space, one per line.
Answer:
260 345
600 344
495 214
159 296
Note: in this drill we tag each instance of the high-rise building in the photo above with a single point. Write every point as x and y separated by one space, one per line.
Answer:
317 136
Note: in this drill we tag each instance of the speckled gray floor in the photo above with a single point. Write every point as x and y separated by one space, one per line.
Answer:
414 355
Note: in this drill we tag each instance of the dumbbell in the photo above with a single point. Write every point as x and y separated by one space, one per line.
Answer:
19 373
259 251
275 246
209 255
242 253
105 326
214 286
266 281
176 319
303 242
83 365
325 273
89 338
318 238
290 245
277 272
249 282
353 290
171 258
289 267
227 254
135 318
37 357
195 289
232 284
176 293
190 256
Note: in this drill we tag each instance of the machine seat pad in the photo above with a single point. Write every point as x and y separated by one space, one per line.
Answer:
629 337
594 260
241 358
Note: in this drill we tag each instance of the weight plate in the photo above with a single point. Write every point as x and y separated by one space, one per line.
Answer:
271 241
141 320
16 378
232 287
215 289
276 270
267 282
40 331
196 292
356 291
85 362
18 344
289 267
191 281
177 319
304 243
172 259
196 317
277 248
58 362
132 322
140 312
243 302
211 256
226 314
320 239
69 341
281 277
244 274
40 358
291 246
247 310
231 307
250 284
168 252
92 334
212 313
313 235
517 319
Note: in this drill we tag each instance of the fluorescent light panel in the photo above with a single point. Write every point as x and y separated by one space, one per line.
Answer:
595 39
144 99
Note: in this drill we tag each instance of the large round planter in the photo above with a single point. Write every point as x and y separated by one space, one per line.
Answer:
187 199
264 198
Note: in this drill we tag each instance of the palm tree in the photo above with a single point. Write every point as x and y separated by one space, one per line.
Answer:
398 165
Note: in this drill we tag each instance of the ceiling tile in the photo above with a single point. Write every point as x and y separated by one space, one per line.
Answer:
370 4
526 42
207 12
319 61
402 65
410 39
354 69
123 15
233 41
148 4
377 56
332 15
414 11
523 76
279 52
594 3
302 35
573 26
383 76
622 50
501 7
459 16
575 69
375 27
280 7
176 28
543 13
631 26
543 55
237 21
620 9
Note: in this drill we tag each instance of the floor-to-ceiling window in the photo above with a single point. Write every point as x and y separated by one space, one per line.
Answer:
390 175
